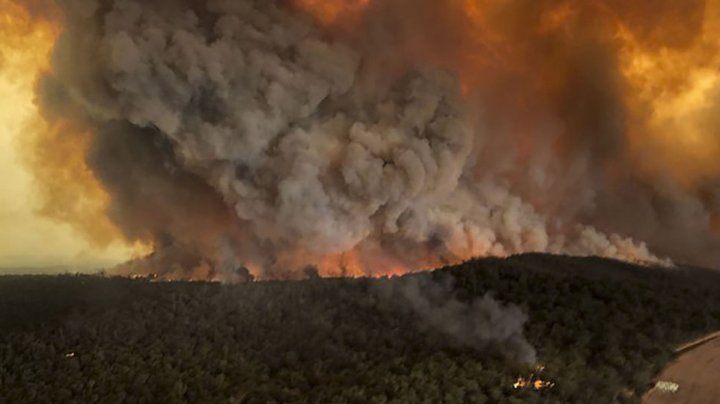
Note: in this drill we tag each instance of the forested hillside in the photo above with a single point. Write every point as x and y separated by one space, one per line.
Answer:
600 330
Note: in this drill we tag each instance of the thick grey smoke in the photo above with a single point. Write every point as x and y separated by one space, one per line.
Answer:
477 323
233 131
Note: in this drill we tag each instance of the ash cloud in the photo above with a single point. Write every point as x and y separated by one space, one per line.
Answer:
241 135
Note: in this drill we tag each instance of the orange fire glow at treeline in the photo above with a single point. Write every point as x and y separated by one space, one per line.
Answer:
343 265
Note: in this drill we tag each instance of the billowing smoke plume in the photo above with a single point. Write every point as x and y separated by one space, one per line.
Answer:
247 135
475 324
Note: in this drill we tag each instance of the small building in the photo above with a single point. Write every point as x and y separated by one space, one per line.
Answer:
666 387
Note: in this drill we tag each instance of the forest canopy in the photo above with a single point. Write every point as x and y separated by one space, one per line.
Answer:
600 331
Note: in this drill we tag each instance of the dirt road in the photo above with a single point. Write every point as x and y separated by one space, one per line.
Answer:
697 372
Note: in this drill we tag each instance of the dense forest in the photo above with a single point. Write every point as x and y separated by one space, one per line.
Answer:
599 331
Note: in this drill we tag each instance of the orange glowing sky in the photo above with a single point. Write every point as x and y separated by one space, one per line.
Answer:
674 91
27 238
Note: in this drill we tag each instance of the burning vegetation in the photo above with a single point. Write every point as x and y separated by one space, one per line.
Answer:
534 380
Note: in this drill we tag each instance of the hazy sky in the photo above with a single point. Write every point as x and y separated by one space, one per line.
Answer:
27 239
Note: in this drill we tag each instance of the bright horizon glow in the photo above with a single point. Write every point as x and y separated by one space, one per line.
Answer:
27 239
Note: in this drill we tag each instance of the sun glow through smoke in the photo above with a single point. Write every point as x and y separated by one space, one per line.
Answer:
677 91
29 236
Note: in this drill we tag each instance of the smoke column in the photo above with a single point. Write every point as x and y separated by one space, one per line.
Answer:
374 137
476 324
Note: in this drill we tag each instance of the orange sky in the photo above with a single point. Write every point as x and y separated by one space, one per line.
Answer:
28 239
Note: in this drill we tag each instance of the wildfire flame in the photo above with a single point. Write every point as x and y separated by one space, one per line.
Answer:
534 380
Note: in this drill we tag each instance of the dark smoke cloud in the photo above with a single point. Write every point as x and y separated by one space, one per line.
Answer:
239 134
555 117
